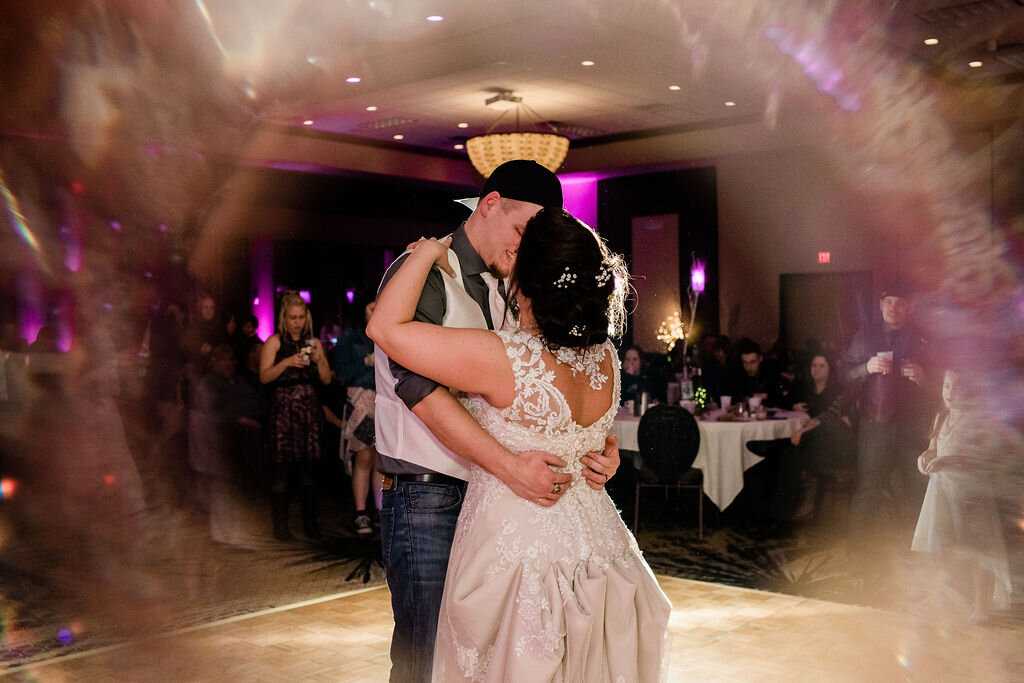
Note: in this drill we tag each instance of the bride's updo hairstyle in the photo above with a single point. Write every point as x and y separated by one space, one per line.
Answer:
576 285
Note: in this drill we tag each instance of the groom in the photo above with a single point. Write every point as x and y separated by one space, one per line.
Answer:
426 439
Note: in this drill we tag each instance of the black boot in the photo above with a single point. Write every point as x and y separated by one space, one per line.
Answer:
279 512
309 523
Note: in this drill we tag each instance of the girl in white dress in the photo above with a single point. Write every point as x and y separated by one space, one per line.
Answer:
959 517
537 591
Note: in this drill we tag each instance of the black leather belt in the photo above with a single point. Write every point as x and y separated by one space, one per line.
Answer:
391 481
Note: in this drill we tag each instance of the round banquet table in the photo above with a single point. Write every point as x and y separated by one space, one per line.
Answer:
723 456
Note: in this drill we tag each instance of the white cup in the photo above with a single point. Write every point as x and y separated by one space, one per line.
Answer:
754 402
726 401
887 355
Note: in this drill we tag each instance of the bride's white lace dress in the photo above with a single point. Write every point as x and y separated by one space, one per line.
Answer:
548 594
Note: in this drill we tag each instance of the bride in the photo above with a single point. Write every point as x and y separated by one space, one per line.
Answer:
536 592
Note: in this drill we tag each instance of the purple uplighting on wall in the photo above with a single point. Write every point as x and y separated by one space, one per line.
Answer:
31 306
350 295
305 296
579 193
261 279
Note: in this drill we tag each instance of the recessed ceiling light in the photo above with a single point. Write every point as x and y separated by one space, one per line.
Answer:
353 79
730 103
674 87
460 146
974 64
587 62
463 125
398 137
931 41
308 122
371 108
435 17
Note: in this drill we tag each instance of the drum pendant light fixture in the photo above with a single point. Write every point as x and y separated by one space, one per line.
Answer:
490 150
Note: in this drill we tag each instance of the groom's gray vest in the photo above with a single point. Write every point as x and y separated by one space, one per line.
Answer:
402 435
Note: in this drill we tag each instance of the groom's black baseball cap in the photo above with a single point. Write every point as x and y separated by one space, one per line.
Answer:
522 179
525 180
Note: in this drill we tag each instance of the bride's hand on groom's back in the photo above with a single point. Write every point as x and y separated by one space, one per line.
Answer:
531 477
598 468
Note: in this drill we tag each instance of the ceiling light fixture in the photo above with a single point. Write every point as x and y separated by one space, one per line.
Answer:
490 150
460 146
931 41
308 122
371 108
398 136
435 17
353 79
730 103
463 125
587 62
674 87
974 64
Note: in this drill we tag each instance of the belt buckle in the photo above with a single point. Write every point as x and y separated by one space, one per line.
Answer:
386 483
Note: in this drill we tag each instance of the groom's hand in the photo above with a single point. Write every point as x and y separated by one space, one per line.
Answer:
598 468
532 478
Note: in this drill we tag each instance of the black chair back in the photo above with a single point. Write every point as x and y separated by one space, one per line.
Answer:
669 438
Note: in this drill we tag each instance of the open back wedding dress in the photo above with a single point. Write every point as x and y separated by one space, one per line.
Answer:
548 594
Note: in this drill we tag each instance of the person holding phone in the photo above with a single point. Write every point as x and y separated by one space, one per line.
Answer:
292 362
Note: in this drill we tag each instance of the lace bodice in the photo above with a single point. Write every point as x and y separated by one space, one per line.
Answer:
540 418
528 585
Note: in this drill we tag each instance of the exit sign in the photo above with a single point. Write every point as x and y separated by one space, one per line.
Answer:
824 257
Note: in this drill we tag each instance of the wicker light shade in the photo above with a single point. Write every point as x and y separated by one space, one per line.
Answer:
489 151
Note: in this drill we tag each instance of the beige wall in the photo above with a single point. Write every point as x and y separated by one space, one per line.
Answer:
776 211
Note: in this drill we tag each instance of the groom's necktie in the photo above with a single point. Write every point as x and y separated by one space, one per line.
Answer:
495 299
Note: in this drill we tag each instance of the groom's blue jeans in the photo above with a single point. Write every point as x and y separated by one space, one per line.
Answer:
417 525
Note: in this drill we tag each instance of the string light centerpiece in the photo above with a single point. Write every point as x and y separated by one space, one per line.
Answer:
674 329
671 331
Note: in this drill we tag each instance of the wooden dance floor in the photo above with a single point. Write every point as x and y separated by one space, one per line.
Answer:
719 633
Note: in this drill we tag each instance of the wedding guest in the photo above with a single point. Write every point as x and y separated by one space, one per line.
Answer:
959 518
292 362
218 416
203 332
753 379
354 366
822 444
885 365
715 367
633 378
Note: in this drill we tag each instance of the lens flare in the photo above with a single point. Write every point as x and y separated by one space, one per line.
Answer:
15 216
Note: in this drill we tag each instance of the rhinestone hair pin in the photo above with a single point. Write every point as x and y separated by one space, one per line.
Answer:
565 279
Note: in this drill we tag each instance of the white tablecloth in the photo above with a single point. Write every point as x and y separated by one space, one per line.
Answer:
723 455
